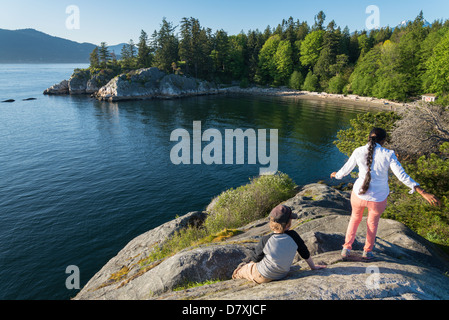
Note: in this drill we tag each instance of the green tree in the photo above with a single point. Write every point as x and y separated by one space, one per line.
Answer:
254 45
195 47
436 78
283 62
391 82
220 49
94 59
336 84
311 82
311 48
104 55
236 56
409 48
365 75
364 43
166 46
144 57
267 63
296 80
328 54
128 55
319 21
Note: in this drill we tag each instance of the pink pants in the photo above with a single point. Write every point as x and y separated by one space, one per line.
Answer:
375 209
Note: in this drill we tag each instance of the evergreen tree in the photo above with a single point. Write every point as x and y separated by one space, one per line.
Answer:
319 21
195 47
94 59
166 46
220 49
236 56
144 57
128 54
328 54
254 43
104 55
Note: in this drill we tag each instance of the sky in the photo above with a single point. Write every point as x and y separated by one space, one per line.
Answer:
115 22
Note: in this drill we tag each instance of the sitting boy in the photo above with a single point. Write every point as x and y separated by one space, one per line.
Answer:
275 252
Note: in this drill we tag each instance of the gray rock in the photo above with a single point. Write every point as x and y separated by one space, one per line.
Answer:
407 266
78 82
386 279
61 88
152 83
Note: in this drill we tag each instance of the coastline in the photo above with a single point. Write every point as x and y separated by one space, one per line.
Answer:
121 88
369 102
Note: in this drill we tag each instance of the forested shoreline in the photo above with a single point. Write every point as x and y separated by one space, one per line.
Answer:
398 63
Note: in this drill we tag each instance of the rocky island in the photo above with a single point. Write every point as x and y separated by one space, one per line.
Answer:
139 84
407 267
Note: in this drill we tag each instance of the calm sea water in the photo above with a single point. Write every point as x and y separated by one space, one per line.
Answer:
80 178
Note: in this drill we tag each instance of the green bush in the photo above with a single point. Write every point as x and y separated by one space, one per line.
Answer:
432 223
336 84
237 207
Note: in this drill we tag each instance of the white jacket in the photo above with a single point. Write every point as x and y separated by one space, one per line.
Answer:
383 160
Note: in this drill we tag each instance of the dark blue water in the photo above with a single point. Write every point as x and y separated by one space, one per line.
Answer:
80 178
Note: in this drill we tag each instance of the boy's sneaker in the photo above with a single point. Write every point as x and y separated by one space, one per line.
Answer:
368 255
345 252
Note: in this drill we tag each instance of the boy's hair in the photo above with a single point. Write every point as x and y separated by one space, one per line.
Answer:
276 226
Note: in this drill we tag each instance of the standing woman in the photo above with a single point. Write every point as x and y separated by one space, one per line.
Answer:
371 188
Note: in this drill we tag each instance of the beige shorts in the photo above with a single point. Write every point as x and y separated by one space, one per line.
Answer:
249 272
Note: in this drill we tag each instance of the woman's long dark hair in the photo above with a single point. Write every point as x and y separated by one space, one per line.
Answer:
377 135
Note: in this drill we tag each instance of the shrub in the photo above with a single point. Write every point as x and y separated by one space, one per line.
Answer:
336 84
237 207
432 223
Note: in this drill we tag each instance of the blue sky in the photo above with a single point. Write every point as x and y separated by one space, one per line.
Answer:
118 21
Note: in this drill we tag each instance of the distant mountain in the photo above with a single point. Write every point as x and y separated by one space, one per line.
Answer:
32 46
404 23
117 49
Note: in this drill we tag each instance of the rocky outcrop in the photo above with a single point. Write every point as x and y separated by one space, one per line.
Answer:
61 88
152 83
135 85
407 266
